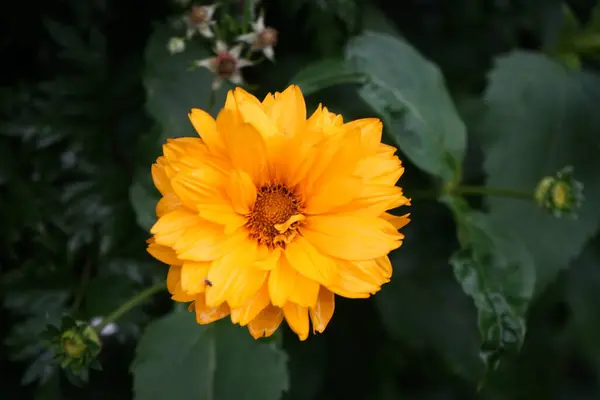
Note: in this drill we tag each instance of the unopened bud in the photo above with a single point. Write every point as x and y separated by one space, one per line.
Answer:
560 194
76 344
176 45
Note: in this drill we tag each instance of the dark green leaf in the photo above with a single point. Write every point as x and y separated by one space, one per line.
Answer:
423 306
307 367
144 200
173 89
409 94
537 123
326 73
179 359
499 275
583 295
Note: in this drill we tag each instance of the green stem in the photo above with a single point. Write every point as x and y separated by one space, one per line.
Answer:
129 304
471 190
490 191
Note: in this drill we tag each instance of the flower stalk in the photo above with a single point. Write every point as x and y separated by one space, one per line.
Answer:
131 303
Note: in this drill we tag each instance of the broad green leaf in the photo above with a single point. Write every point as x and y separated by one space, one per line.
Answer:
583 296
326 73
408 92
541 117
423 306
307 366
144 200
179 359
498 273
173 89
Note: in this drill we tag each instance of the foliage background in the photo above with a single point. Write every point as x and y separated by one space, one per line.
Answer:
89 93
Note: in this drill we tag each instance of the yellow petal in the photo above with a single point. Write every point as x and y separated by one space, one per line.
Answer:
230 101
385 266
161 181
370 132
286 284
246 313
173 277
360 279
168 203
373 200
266 323
323 120
245 145
305 292
175 148
201 232
281 283
222 214
210 248
206 127
339 154
310 262
321 314
380 170
297 318
205 314
163 254
204 185
171 226
174 286
336 193
397 221
233 276
288 111
252 112
267 258
268 102
193 275
351 237
241 191
386 150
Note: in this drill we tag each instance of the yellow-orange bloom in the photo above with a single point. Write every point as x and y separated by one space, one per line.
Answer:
268 214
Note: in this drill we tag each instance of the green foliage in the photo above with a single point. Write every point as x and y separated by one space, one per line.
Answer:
324 74
544 121
407 91
173 88
575 41
177 358
498 273
424 302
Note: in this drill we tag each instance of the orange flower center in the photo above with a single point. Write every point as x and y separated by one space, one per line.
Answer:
198 15
274 218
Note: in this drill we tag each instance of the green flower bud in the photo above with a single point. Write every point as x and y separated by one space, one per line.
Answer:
76 345
560 194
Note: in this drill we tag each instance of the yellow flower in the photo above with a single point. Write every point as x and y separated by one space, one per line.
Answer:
269 215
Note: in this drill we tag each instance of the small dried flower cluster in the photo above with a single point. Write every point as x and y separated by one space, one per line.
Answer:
200 21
